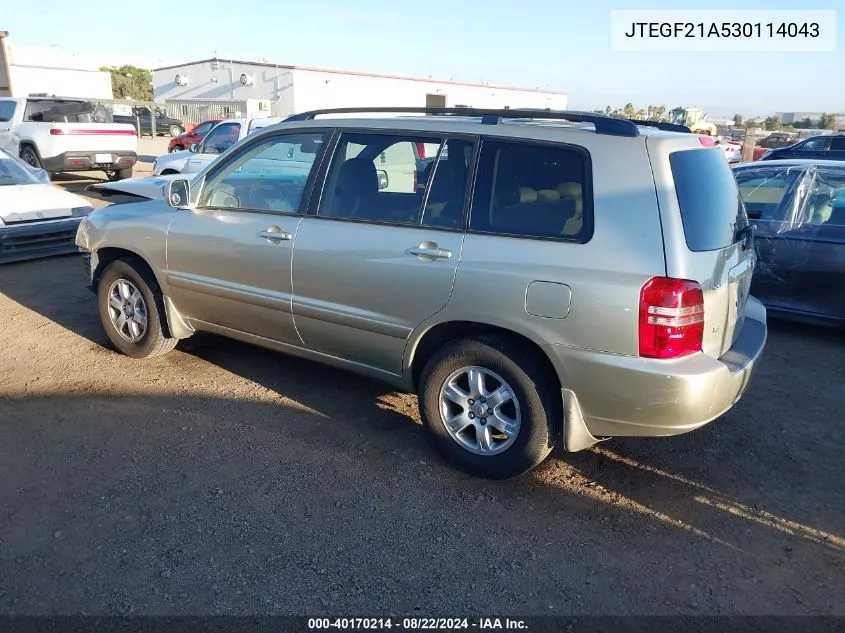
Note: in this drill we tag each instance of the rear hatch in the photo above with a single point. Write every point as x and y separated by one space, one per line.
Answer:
707 238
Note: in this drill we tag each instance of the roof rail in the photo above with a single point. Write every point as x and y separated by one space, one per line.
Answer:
662 125
604 124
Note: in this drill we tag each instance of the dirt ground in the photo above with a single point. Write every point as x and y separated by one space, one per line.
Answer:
223 478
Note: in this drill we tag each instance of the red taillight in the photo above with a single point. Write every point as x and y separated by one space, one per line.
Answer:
671 318
421 151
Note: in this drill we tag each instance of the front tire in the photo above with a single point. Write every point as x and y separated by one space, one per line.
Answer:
132 310
177 148
491 406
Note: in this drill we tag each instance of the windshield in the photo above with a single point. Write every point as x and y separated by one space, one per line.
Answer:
15 172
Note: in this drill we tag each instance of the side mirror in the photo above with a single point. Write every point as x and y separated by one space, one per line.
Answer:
178 193
194 148
383 180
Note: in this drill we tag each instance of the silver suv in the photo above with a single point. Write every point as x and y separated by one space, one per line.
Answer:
549 278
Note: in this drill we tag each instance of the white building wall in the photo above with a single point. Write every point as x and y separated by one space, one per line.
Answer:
315 89
300 89
222 80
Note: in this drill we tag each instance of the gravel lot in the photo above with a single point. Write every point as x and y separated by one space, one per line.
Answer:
222 478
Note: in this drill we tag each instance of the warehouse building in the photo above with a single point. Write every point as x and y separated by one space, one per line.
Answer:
260 88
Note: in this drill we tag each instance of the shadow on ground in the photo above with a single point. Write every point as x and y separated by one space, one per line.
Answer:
327 496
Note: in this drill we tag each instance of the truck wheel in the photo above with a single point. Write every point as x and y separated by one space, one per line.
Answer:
491 406
120 174
175 131
132 311
30 156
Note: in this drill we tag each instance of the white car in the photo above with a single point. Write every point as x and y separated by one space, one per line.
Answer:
37 219
219 139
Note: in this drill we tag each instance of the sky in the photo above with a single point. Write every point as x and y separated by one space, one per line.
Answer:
557 44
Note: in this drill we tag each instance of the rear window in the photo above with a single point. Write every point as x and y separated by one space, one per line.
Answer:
711 208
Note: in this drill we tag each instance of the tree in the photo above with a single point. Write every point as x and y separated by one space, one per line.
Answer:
738 120
771 123
827 121
130 82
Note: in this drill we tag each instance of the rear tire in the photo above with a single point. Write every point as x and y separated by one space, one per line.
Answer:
498 437
175 131
132 310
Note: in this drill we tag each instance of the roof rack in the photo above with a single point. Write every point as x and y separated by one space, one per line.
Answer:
662 125
603 123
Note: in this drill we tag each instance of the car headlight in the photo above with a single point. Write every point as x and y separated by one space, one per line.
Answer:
80 212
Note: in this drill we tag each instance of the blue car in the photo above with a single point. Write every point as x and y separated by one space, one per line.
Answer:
827 147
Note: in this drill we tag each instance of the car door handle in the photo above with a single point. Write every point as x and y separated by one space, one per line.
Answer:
4 129
275 234
429 250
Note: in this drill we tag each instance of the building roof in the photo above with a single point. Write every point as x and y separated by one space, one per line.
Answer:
360 74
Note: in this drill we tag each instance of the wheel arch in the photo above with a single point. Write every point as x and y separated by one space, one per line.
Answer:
438 335
173 323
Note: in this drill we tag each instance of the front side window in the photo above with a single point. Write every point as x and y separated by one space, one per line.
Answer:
402 179
202 129
270 176
532 190
221 138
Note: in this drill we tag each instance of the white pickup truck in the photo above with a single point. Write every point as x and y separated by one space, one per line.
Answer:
219 138
61 135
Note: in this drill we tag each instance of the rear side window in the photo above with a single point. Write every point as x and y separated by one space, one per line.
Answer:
533 190
711 208
837 144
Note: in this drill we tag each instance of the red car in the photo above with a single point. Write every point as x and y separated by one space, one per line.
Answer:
184 141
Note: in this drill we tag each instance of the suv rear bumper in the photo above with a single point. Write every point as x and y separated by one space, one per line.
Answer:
87 161
617 396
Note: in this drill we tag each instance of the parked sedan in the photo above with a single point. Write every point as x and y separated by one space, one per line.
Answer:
185 140
798 207
826 147
37 219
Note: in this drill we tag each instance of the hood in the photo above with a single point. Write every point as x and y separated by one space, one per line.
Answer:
20 203
152 187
